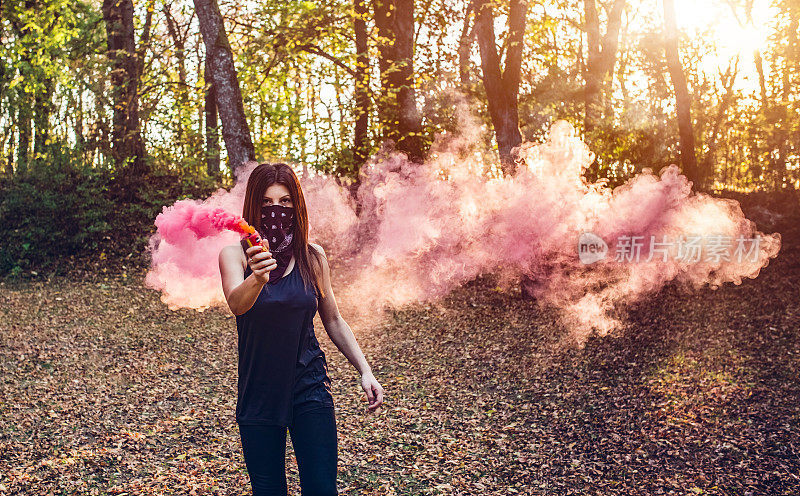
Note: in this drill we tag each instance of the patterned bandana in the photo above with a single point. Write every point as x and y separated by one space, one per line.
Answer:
277 225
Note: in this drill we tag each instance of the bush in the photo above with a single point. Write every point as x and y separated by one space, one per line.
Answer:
132 222
62 206
54 209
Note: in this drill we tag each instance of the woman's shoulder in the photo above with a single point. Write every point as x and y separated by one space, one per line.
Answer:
318 248
320 258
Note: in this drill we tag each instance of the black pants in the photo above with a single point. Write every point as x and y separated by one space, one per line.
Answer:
314 441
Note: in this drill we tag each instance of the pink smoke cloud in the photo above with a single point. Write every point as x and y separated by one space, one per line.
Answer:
424 229
434 226
185 247
191 233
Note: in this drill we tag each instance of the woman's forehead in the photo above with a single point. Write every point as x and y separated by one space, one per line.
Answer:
276 190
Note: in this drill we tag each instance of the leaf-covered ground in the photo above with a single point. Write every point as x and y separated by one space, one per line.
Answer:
106 391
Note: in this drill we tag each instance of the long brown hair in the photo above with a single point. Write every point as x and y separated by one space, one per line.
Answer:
262 177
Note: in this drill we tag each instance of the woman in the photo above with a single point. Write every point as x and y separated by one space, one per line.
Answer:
283 380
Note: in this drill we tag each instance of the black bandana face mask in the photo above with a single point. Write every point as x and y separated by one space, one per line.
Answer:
277 226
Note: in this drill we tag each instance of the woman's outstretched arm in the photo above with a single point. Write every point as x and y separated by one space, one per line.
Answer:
241 293
344 339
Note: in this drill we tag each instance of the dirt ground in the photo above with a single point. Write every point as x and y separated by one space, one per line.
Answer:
106 391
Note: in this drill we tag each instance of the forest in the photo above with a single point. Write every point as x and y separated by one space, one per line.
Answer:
123 101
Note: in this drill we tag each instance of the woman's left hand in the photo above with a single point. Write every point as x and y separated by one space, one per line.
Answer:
373 389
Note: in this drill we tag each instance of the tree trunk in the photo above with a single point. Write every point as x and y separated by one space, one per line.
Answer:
770 118
226 87
42 110
762 85
465 43
401 121
212 126
682 101
784 132
24 119
361 136
25 102
728 80
600 60
127 145
592 73
180 93
502 87
79 136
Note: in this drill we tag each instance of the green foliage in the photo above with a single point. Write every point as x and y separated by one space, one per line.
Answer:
132 222
55 210
62 206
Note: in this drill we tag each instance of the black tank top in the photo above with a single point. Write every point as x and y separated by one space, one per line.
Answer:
282 369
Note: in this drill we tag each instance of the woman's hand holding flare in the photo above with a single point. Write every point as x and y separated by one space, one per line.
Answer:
261 263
